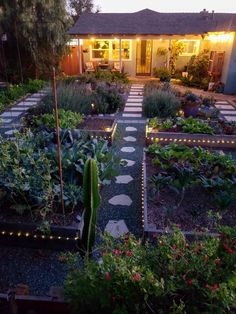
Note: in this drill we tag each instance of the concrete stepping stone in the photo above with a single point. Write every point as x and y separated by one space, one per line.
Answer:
10 114
130 129
27 103
128 149
129 139
121 200
230 118
228 112
129 163
5 120
116 228
134 104
134 101
133 109
124 179
19 108
132 115
221 102
10 132
230 107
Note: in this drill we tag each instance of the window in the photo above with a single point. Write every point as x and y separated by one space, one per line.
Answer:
191 47
110 49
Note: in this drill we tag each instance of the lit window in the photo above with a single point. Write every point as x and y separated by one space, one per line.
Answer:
110 49
191 47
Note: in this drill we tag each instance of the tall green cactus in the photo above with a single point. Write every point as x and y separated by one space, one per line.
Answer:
91 201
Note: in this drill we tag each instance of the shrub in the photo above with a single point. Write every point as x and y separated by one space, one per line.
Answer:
171 275
107 100
163 73
32 86
67 119
160 104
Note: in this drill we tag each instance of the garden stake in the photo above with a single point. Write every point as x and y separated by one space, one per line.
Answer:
58 142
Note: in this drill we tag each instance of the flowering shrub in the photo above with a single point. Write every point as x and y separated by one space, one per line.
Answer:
168 276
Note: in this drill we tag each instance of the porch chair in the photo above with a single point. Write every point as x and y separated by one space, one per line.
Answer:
89 67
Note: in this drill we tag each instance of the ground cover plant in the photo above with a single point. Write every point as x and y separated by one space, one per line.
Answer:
166 275
190 186
14 92
29 179
193 125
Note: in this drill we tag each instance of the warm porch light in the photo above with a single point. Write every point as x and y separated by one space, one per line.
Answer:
107 129
92 39
138 39
220 37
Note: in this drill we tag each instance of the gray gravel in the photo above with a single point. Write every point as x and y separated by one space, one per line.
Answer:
38 269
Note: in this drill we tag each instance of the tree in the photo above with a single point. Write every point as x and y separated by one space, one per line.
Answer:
77 7
36 32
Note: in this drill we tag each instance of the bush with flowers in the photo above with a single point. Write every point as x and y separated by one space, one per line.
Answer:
165 275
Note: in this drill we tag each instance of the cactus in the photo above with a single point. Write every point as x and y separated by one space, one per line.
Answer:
91 201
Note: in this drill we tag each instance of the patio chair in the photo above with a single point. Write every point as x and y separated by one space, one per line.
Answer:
116 67
89 67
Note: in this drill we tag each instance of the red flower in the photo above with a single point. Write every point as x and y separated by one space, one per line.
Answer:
173 247
217 261
228 249
205 258
129 253
117 252
107 276
189 282
137 277
215 287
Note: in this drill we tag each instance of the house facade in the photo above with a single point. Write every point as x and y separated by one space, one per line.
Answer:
142 41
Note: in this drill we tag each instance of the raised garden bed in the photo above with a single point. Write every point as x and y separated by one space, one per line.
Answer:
29 235
192 132
196 215
99 127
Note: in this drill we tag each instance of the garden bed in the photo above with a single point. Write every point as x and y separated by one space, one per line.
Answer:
99 127
197 212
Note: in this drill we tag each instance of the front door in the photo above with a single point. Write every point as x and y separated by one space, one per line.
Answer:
144 57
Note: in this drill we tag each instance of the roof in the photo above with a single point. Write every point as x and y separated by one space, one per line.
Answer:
148 22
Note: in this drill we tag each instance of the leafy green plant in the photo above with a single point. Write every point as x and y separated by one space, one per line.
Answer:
159 182
91 201
67 119
192 125
160 104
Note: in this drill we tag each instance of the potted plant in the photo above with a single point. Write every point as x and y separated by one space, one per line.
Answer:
163 73
191 104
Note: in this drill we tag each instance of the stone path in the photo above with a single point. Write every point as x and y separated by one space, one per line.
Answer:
227 110
10 120
121 208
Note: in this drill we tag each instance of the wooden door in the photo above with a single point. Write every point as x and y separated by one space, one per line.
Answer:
144 57
70 62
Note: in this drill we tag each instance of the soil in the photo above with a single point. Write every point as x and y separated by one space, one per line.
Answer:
192 214
98 124
8 214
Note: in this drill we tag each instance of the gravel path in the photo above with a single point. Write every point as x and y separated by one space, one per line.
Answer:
39 269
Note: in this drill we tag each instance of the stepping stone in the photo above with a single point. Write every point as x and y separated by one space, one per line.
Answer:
135 94
133 109
229 107
116 228
134 104
5 120
132 115
133 101
19 109
130 129
125 179
230 118
27 104
128 149
222 102
122 200
10 114
129 163
10 132
30 99
141 121
228 112
129 139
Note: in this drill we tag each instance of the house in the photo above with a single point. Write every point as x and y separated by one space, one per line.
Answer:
134 39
